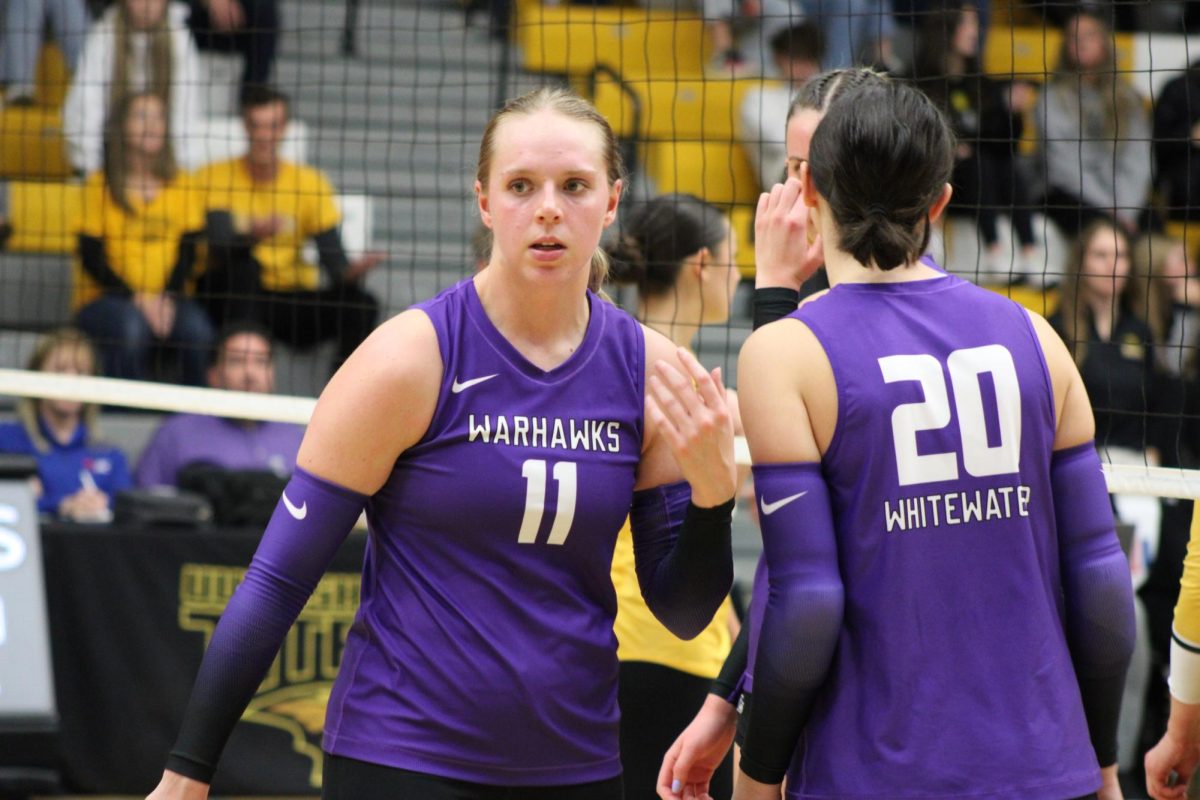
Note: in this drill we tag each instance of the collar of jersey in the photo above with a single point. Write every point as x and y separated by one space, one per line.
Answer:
504 348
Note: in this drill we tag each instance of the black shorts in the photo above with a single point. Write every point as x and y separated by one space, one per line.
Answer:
657 703
351 779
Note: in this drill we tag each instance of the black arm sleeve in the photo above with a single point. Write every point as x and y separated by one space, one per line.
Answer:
95 264
802 620
682 555
772 303
727 681
331 254
184 263
220 232
1097 594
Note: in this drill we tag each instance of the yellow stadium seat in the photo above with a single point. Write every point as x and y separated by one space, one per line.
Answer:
31 144
51 79
718 172
674 109
573 40
1031 53
741 221
1039 300
1188 233
41 216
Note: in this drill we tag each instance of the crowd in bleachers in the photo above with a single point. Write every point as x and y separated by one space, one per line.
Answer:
176 232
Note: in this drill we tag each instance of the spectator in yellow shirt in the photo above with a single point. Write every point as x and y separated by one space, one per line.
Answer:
261 210
138 231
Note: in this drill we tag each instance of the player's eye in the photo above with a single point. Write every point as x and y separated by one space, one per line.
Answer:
575 185
520 186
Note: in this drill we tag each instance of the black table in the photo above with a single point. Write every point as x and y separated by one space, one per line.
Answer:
130 613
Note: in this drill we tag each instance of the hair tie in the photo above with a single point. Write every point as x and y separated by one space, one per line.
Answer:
876 210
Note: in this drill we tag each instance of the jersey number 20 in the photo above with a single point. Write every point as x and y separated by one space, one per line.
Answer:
965 366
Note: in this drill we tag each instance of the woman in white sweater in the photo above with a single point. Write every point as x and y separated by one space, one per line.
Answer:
136 46
1095 135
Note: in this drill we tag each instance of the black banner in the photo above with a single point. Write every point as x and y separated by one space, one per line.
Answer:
131 612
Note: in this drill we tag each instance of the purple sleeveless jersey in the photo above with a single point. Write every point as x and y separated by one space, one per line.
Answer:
952 676
483 649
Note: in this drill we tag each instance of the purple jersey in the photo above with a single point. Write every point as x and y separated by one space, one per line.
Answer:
483 649
952 676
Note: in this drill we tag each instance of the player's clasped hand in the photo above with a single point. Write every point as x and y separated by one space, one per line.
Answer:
690 409
784 252
1169 767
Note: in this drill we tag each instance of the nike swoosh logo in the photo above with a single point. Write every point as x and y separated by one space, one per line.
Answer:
771 508
458 387
298 513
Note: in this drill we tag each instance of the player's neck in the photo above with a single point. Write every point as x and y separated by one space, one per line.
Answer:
544 323
671 316
843 268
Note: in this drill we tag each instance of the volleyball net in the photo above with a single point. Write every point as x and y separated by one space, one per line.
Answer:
389 101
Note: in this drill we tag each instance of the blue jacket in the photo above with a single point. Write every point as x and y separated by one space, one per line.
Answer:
61 466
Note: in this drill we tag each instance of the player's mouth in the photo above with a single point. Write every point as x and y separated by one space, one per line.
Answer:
547 248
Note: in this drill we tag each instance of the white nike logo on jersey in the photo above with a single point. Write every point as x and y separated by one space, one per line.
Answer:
298 513
458 387
771 508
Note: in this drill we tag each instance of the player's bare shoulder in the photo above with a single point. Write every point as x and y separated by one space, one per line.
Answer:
377 405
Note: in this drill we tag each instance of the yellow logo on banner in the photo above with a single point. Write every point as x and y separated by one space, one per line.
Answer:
293 695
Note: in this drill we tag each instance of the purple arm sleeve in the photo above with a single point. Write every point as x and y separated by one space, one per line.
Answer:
1097 592
310 523
803 616
682 555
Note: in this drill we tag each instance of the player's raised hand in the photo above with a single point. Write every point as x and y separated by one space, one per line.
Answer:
690 408
689 764
784 253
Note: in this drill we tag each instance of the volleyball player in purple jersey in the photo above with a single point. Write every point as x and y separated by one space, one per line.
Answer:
497 436
787 253
949 613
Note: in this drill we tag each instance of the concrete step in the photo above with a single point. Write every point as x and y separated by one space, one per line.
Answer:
37 290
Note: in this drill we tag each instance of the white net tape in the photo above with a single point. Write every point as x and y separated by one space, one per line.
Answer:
1122 478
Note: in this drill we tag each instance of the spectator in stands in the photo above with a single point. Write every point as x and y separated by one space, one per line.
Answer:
1094 134
249 28
987 121
738 31
1101 319
1174 315
764 112
857 32
241 362
261 211
1177 144
135 46
23 25
140 222
77 477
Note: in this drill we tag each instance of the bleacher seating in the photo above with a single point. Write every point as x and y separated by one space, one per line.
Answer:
571 40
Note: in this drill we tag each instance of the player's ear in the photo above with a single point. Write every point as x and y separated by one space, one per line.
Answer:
614 200
481 200
809 191
940 204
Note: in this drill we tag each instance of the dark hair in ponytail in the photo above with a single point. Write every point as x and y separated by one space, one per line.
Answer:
880 158
819 91
656 236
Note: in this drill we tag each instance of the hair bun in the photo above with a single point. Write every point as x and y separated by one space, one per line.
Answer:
627 263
